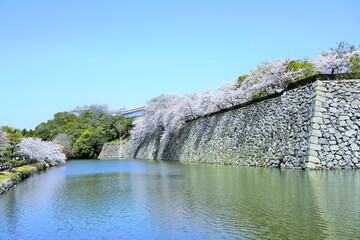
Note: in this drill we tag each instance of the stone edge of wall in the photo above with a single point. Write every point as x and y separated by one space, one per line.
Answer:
292 85
311 161
111 151
11 181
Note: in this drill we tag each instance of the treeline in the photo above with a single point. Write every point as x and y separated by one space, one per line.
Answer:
17 150
82 135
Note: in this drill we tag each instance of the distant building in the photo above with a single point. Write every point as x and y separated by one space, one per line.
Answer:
134 112
79 110
126 113
118 112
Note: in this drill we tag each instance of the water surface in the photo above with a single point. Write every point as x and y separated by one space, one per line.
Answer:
134 199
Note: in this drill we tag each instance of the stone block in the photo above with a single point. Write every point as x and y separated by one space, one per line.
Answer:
314 139
350 133
354 147
310 165
320 88
314 147
334 147
316 133
314 159
329 164
320 96
317 120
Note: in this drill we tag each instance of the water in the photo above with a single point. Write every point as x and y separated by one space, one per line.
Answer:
133 199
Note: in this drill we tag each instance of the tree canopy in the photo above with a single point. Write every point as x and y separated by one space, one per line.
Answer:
84 135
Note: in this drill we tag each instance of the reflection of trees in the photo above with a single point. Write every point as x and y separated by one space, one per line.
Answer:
175 200
28 204
337 197
229 201
256 202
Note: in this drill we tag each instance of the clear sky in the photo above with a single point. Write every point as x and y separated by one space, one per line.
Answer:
57 54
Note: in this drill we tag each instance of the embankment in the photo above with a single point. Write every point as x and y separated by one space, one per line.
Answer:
312 125
114 151
18 174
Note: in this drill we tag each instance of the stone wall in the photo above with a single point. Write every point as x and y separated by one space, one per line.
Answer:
273 132
112 151
335 134
18 174
313 126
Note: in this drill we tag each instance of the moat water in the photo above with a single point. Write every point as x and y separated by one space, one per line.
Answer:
134 199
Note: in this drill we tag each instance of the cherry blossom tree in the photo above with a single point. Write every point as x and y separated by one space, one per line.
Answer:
331 63
225 95
36 150
271 77
170 112
156 111
339 60
63 139
206 103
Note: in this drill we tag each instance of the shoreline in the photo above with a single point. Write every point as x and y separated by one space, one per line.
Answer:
18 174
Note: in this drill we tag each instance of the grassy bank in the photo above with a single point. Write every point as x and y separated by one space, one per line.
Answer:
17 174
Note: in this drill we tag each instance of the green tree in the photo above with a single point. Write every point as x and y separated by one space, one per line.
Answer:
305 65
83 147
241 79
13 139
345 48
85 133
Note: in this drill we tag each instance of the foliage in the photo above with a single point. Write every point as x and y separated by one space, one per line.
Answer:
344 58
305 67
12 139
82 136
36 150
170 112
3 138
241 79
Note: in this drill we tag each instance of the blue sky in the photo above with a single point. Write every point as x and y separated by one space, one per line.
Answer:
55 55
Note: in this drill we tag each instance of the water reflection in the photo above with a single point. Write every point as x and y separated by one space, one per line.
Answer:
135 199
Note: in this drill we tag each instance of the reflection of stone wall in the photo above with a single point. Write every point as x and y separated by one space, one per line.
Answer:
335 135
314 126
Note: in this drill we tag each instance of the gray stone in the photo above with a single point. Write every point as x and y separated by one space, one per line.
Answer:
316 133
310 165
332 109
334 147
342 118
332 130
354 147
314 159
350 133
343 123
342 163
330 164
314 139
338 135
315 147
347 159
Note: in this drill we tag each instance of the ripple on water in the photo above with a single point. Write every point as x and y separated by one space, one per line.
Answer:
161 200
